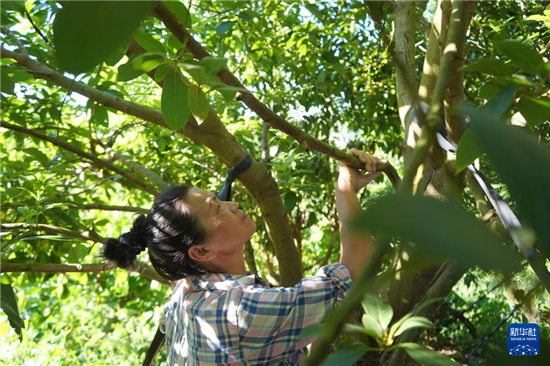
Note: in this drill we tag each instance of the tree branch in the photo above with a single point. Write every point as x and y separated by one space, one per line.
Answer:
143 270
434 119
99 162
406 85
161 12
100 206
137 168
454 118
89 235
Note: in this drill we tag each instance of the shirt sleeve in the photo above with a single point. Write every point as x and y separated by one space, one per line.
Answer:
270 319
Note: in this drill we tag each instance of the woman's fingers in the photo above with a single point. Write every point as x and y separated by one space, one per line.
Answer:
370 161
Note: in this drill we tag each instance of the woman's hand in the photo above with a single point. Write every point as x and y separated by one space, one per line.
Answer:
354 248
351 179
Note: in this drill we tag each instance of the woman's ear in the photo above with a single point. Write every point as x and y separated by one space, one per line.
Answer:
199 253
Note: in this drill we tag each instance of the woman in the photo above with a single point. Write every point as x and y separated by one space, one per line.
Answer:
218 313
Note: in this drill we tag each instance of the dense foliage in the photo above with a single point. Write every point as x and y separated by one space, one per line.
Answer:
327 69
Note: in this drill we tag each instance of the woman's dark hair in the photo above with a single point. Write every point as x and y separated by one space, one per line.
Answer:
168 231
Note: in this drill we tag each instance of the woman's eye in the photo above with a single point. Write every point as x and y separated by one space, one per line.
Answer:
219 206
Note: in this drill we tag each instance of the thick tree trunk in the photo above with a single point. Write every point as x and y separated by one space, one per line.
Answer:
438 176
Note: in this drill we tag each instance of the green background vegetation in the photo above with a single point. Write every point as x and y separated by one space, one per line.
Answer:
325 67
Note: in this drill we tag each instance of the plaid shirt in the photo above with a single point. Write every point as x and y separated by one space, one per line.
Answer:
220 319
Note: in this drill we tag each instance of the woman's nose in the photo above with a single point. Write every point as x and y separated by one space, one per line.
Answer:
233 207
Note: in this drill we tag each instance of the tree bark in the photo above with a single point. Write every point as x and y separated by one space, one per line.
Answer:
405 71
441 81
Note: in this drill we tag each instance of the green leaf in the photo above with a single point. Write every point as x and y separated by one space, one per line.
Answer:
100 115
148 42
198 104
38 155
329 57
14 5
468 150
175 101
440 230
314 9
19 76
340 69
196 71
213 64
488 90
312 330
491 66
161 72
126 72
232 89
25 211
181 12
500 102
86 33
6 84
378 309
117 54
148 61
372 327
49 237
413 322
224 27
538 18
523 165
7 61
8 303
522 55
535 110
290 200
347 356
426 357
397 324
428 303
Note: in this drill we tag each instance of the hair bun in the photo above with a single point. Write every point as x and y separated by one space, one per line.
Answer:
125 250
135 241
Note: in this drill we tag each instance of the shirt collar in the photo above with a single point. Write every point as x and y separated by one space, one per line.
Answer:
220 281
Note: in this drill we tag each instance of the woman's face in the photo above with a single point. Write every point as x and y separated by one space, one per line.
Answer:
228 227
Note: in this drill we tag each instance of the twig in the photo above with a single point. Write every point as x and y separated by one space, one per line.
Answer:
324 259
143 270
460 316
265 143
95 206
137 168
93 158
35 27
90 235
85 190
